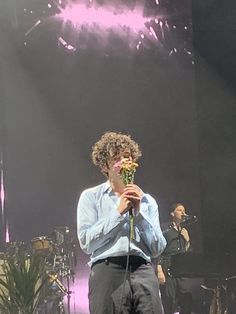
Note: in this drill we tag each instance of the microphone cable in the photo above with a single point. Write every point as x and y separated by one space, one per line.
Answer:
127 264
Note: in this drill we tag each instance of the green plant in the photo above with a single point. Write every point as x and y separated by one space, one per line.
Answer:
21 282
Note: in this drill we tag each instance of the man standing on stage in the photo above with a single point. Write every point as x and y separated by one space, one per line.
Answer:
174 291
122 279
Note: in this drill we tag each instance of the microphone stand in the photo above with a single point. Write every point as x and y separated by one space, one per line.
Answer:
53 279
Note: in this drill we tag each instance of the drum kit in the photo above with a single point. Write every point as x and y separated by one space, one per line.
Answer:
58 254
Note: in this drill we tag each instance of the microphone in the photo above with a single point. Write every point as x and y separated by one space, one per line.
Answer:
131 211
189 219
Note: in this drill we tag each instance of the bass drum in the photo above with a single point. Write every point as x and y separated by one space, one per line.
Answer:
42 245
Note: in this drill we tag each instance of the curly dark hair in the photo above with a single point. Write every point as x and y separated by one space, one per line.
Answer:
110 145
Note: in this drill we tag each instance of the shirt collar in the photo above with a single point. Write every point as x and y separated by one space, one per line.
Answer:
107 187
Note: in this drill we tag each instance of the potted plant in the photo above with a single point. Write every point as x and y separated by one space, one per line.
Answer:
21 282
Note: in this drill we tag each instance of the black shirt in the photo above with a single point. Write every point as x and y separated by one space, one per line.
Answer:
176 244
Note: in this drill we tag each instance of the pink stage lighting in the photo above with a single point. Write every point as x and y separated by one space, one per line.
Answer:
129 24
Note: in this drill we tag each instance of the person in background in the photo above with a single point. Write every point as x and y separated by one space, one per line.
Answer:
122 279
174 291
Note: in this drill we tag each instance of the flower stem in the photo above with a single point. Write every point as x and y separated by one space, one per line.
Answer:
131 218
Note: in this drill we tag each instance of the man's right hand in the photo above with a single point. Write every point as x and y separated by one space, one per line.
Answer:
125 205
131 197
161 277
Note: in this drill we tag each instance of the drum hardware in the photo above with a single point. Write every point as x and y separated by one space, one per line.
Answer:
216 306
14 248
59 234
2 256
53 279
222 298
58 252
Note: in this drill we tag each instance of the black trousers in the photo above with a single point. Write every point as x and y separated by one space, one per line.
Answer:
108 295
174 293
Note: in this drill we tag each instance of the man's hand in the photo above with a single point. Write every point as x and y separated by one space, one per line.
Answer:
185 234
134 194
160 275
125 205
131 197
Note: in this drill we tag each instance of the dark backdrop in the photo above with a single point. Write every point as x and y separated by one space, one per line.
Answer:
215 48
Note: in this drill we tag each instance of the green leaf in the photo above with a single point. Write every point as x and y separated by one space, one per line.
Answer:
21 283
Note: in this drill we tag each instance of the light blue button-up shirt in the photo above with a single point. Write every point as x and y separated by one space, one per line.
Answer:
103 232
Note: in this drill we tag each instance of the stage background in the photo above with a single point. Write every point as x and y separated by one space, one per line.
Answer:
56 103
